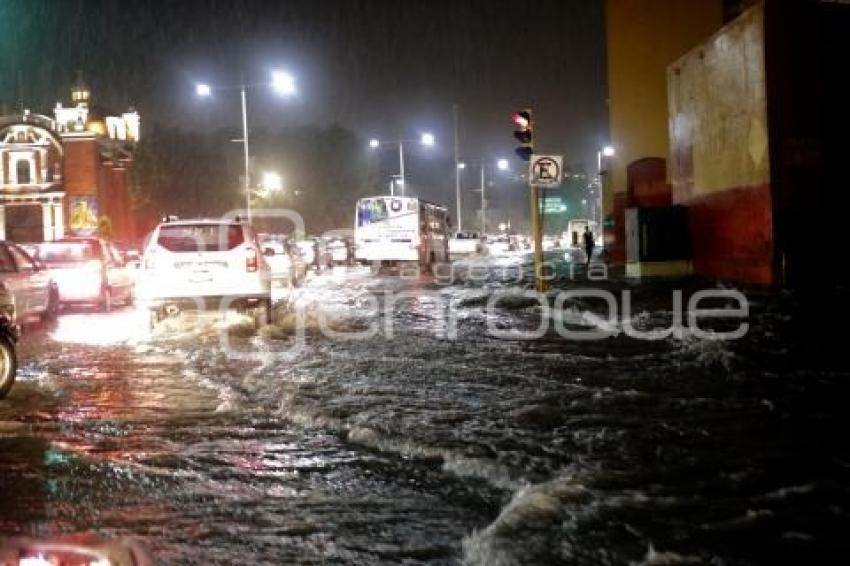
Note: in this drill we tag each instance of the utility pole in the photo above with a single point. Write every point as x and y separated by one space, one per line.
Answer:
247 159
457 168
401 165
483 202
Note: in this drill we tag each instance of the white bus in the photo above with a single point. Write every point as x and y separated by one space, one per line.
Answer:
390 230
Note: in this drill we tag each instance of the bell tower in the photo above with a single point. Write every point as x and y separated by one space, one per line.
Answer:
80 92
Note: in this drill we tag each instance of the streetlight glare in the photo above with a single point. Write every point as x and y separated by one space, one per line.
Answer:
283 83
461 165
608 151
272 181
373 143
428 139
503 165
202 89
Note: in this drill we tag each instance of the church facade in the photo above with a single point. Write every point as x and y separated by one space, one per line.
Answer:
67 174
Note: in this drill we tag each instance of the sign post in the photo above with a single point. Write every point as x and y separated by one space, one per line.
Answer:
545 171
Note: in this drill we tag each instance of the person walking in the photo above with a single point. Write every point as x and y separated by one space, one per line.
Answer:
589 243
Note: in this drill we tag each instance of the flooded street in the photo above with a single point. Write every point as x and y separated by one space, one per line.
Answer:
354 433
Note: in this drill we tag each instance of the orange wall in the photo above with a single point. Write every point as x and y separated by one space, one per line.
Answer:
80 166
644 37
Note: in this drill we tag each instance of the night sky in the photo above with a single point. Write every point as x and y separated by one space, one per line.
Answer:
378 67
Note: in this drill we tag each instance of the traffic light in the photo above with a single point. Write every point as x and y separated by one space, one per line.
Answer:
524 133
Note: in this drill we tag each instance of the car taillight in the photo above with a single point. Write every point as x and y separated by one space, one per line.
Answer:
251 260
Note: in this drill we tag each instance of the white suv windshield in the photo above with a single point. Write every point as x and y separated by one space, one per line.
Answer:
200 237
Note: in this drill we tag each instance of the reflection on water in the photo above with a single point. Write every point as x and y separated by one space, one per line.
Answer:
427 449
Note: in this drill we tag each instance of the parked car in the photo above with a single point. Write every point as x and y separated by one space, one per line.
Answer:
88 271
339 251
192 264
8 337
308 250
32 285
498 245
464 244
287 267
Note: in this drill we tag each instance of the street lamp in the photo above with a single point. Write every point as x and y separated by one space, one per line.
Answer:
501 165
283 84
426 140
606 151
272 181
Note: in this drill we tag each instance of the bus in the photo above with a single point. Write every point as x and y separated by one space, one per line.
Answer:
394 230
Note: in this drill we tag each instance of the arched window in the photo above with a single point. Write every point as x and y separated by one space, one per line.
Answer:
23 171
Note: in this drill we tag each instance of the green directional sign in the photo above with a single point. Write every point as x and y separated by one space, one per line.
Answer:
553 205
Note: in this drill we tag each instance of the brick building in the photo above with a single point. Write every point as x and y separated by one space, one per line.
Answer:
66 174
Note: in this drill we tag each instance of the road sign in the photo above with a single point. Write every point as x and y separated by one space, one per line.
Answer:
552 205
546 170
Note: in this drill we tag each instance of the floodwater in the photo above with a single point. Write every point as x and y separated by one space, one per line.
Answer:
354 433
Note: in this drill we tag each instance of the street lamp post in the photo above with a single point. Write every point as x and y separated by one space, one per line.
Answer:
281 82
401 165
247 158
607 151
483 204
501 165
427 140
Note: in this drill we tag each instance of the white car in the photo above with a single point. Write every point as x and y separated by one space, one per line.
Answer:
285 262
30 284
204 264
88 270
498 246
464 244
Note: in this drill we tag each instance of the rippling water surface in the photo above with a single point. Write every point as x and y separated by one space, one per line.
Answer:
212 443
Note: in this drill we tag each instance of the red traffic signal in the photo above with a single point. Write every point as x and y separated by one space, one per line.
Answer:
524 133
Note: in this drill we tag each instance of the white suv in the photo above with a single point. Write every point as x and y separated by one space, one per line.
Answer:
203 264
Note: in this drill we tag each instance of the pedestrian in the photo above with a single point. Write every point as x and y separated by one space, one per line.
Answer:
588 243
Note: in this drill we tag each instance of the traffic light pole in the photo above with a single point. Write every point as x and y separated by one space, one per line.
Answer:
537 235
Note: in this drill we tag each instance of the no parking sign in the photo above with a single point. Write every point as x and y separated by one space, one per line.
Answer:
546 170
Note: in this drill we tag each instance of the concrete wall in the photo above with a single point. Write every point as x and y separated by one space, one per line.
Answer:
720 155
644 37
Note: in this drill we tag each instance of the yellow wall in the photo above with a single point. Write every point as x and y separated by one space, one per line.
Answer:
644 37
718 112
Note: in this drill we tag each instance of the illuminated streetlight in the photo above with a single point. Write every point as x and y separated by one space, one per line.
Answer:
502 165
606 151
272 181
283 83
426 140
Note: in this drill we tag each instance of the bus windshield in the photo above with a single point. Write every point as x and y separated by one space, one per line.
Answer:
371 210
